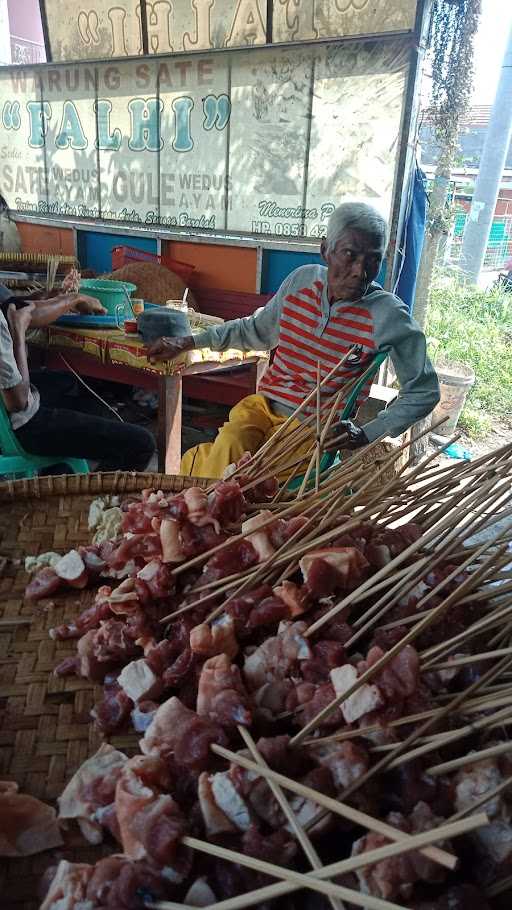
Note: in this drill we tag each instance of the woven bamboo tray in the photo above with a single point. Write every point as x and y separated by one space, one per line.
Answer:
45 728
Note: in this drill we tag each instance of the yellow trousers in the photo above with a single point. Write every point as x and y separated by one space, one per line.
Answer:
251 422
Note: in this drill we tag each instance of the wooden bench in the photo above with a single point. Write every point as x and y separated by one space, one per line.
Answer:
227 386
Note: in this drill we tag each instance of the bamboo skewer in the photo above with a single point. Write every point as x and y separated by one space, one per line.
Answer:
485 798
293 880
276 437
434 718
332 805
470 759
499 887
444 739
297 829
386 658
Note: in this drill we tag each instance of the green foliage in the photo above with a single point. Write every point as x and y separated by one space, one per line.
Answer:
474 327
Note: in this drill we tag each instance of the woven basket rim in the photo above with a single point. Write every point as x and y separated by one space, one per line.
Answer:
95 484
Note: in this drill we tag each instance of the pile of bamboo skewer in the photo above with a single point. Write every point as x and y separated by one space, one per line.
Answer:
454 503
465 513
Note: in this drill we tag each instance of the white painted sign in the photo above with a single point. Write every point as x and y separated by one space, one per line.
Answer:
99 29
264 141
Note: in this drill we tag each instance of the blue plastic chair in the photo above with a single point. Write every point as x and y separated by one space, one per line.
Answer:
331 459
15 462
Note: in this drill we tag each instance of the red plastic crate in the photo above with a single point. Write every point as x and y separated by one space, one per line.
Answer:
122 255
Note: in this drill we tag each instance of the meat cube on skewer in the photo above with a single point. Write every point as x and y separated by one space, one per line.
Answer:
71 570
142 715
347 761
91 788
68 887
365 699
87 620
215 820
178 731
333 569
151 822
395 877
44 583
298 600
229 800
493 842
172 550
139 682
221 695
278 656
112 712
217 638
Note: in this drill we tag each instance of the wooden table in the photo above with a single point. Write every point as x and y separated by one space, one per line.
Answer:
113 355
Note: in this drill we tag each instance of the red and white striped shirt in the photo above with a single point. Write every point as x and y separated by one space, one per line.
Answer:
304 328
311 334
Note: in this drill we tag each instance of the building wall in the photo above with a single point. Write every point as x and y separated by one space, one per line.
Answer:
26 32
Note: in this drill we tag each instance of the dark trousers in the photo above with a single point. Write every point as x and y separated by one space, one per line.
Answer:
70 421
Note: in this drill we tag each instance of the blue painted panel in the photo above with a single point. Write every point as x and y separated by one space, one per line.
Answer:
95 249
277 265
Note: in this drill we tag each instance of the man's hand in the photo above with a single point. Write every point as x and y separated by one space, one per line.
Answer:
19 319
356 436
169 348
86 305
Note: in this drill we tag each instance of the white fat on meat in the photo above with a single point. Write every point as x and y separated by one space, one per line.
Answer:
229 800
124 592
141 720
275 658
347 762
259 539
78 798
295 598
215 821
200 894
367 698
170 541
305 810
68 890
139 682
343 559
196 500
474 782
217 638
150 570
71 568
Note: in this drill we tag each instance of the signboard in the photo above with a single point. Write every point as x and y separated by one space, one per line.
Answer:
265 141
103 29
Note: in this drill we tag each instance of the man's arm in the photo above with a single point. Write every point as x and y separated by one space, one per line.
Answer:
47 311
15 380
419 386
259 332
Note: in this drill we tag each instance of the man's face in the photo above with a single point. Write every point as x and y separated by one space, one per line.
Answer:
352 265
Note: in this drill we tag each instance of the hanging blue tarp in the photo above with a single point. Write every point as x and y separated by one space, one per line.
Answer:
412 239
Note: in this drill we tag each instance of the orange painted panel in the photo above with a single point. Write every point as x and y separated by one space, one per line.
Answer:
39 238
216 265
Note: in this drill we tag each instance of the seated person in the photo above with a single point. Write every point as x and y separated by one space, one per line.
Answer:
319 313
45 420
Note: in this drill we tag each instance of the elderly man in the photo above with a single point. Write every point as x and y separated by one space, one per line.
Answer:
45 416
318 314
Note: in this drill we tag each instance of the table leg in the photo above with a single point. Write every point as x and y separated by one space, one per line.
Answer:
169 424
261 366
